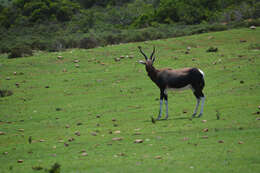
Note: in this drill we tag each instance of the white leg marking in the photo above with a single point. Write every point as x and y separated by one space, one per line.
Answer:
202 105
160 111
166 104
196 108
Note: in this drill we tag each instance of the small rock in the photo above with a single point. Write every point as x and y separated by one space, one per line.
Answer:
242 82
205 130
2 133
41 140
84 154
79 124
212 49
58 109
117 139
138 141
253 27
77 65
59 57
17 85
83 151
117 132
77 133
37 168
5 153
121 154
20 161
187 52
113 119
21 130
15 73
204 121
193 59
64 70
98 116
158 157
71 139
67 126
220 141
66 144
188 48
137 133
259 107
204 137
117 59
242 41
76 61
184 111
8 78
122 57
210 37
93 133
47 86
240 142
257 119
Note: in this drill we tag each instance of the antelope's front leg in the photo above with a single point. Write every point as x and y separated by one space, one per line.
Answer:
161 103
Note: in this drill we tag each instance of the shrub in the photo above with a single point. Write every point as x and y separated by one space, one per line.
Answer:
20 51
5 93
88 42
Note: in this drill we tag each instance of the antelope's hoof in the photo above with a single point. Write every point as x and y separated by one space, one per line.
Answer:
200 115
193 116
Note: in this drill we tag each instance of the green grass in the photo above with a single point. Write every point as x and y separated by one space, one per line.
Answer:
122 91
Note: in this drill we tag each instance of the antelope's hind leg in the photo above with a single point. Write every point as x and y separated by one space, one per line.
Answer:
202 106
196 108
200 98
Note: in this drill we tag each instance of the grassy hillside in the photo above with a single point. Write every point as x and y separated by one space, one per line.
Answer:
87 118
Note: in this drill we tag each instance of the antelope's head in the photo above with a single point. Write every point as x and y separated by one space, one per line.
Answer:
148 61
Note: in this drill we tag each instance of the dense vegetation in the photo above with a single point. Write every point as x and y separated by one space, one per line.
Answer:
53 25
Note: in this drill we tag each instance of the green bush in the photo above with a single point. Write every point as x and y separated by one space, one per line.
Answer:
88 42
20 51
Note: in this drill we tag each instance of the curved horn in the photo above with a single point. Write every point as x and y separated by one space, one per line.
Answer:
139 47
152 52
153 59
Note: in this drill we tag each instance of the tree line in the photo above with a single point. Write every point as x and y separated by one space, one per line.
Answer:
75 23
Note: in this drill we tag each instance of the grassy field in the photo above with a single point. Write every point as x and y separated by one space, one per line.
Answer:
86 118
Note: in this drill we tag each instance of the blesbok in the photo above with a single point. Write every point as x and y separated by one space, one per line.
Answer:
176 79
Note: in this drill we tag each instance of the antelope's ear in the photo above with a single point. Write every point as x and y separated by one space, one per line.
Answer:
141 62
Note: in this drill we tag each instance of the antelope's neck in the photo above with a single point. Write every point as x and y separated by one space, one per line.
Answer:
152 73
